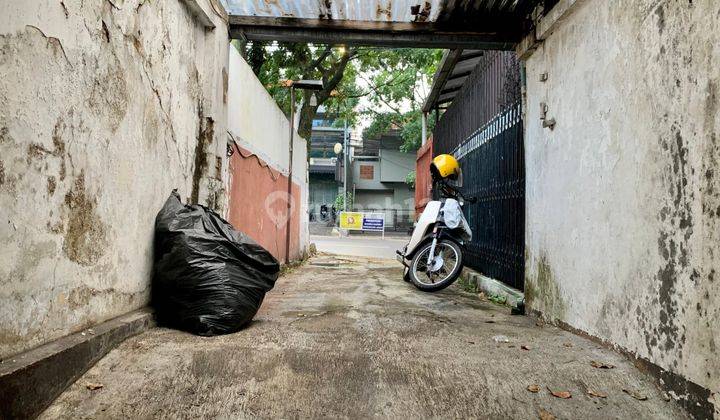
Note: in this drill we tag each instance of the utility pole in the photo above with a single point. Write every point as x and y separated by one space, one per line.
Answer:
289 183
307 85
346 161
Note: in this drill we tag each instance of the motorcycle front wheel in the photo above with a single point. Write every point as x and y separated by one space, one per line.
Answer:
444 269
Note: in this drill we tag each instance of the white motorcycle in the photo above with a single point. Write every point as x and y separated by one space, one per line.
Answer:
433 258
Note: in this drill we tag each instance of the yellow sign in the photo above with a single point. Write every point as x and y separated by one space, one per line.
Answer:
351 220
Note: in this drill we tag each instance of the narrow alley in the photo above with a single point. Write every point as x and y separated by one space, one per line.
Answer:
215 209
344 337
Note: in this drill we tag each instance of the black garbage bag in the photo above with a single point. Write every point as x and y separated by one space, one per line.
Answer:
208 278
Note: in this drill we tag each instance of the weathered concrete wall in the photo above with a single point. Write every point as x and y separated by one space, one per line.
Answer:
105 107
259 126
623 196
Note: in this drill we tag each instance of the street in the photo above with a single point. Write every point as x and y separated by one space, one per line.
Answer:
361 246
345 337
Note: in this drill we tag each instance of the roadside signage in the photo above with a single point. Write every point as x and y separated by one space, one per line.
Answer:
351 220
373 222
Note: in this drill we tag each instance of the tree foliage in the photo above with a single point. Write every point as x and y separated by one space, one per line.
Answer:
394 82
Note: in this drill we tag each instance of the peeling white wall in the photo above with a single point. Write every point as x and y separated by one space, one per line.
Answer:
257 123
102 103
623 196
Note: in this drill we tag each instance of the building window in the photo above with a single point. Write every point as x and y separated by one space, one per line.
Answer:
367 172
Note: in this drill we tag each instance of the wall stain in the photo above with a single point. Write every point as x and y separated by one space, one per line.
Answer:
151 125
85 235
673 246
206 134
225 85
28 259
108 97
660 13
4 135
51 185
543 293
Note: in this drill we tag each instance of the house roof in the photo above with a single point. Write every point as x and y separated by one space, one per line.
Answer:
454 69
487 24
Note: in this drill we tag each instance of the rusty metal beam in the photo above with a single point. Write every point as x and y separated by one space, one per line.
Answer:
370 33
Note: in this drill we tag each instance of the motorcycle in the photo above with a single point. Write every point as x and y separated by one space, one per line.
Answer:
433 259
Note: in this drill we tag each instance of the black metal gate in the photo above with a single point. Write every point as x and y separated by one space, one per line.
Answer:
483 129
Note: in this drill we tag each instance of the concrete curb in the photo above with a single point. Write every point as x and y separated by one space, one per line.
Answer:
492 287
30 381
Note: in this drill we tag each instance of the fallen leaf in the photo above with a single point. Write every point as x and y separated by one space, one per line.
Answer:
567 344
596 394
638 396
601 365
545 415
93 386
560 394
524 347
533 388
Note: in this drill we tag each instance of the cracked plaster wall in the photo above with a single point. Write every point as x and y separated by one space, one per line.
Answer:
623 196
105 107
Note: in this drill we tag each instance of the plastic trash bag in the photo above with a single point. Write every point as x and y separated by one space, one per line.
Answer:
208 278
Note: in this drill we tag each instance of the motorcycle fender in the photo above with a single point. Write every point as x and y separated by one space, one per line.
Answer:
427 238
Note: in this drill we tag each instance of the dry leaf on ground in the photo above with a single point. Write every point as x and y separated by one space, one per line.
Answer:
638 396
93 386
533 388
560 394
601 365
524 347
545 415
596 394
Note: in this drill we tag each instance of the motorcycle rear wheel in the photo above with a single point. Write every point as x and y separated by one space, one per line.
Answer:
445 275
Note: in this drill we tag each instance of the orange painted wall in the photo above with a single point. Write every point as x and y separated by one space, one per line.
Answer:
258 204
423 183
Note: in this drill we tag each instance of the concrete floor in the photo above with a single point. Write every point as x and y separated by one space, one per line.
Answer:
347 338
360 246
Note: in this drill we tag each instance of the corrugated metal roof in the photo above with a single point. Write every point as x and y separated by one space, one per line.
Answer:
454 69
357 10
470 24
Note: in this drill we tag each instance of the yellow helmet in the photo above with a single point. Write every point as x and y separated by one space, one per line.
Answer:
447 168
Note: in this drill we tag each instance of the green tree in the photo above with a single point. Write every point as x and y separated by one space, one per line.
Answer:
340 201
394 80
